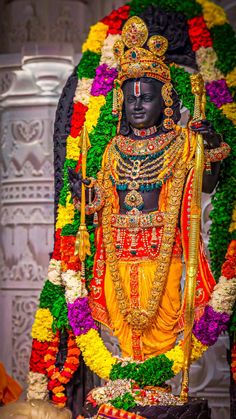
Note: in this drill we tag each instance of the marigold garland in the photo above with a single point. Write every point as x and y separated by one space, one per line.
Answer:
95 354
42 326
198 33
58 378
213 14
96 38
94 107
37 363
65 213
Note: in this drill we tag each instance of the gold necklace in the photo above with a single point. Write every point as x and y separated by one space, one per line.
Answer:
138 174
139 319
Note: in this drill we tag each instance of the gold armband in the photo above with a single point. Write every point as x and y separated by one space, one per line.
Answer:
215 155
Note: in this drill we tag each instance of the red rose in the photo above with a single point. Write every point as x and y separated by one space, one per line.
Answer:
231 249
78 118
198 33
39 350
59 399
53 383
229 268
116 19
57 244
67 247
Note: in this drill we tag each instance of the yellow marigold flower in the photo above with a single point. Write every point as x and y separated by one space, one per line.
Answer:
92 115
176 355
72 148
231 78
197 349
213 14
42 326
96 37
65 214
95 354
229 110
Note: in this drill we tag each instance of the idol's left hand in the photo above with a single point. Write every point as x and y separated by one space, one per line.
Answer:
211 138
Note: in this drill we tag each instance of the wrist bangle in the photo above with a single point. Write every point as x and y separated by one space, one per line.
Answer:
92 182
96 204
217 154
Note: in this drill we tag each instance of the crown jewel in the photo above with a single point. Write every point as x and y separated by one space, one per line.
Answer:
136 61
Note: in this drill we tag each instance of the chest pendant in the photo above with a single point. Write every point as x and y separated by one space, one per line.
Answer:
133 198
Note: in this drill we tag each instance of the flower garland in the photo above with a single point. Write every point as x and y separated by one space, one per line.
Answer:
207 27
58 378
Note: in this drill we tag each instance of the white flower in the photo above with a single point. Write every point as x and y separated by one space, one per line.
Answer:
54 272
107 56
74 287
206 59
37 388
223 296
82 92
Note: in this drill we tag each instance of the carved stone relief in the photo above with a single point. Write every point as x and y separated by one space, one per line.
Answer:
6 80
23 309
26 211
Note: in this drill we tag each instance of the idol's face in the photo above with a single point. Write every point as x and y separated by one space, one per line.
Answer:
143 103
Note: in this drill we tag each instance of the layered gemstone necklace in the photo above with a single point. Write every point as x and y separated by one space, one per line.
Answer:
143 165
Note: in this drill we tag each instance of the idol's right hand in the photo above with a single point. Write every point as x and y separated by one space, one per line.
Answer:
76 180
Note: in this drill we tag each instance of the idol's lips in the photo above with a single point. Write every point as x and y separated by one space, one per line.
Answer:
138 114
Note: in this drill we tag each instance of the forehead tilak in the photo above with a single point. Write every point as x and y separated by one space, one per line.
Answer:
137 88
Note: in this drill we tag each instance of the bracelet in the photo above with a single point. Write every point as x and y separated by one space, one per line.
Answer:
217 154
92 182
96 204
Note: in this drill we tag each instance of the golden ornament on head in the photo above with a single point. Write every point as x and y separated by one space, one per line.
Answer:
137 62
135 32
118 49
158 45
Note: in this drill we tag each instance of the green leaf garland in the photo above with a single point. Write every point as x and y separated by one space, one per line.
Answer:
189 7
53 298
152 372
224 43
124 402
88 64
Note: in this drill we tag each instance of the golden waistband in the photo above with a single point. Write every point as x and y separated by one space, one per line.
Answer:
138 220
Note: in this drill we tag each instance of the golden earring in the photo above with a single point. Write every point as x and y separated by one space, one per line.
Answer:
166 91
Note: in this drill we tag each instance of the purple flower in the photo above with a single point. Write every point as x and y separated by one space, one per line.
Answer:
219 92
80 317
210 326
104 80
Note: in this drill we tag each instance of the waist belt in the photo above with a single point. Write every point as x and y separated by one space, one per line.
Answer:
138 219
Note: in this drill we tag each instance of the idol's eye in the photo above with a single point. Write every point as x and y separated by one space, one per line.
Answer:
147 98
130 99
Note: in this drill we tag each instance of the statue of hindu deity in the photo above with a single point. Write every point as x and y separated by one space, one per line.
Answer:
128 232
138 199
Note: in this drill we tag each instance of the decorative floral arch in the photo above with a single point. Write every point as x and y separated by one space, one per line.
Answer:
64 298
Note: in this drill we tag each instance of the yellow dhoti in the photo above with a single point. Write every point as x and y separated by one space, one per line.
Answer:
161 334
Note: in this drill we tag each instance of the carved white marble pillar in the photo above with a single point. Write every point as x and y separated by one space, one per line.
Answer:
28 101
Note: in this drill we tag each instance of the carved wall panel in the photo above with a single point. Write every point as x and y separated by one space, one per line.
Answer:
28 103
23 309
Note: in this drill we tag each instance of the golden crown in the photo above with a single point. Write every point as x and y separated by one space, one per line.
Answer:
136 61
